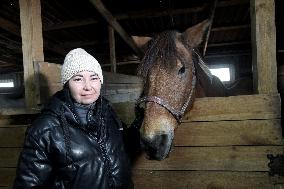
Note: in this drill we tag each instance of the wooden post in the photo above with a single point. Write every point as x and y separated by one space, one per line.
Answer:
32 47
112 49
263 36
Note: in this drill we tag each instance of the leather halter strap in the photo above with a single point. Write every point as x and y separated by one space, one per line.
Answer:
178 114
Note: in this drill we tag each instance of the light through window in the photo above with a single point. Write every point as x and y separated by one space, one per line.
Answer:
222 73
6 84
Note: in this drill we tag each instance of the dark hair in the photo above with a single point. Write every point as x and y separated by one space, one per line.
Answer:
161 49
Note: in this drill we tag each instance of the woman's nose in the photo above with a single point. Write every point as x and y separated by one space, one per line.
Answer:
87 86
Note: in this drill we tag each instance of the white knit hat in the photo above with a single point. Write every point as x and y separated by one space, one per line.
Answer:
78 60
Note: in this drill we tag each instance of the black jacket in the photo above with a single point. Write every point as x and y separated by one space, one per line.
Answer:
61 153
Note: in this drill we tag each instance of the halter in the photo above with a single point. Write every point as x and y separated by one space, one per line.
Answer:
178 114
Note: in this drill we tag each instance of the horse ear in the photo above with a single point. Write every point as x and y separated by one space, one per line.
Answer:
194 34
141 41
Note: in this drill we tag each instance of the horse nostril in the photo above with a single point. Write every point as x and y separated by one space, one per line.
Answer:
158 147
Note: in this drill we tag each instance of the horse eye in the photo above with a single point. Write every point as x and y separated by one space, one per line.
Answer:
181 70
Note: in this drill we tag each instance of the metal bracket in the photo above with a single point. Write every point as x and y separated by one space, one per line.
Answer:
276 164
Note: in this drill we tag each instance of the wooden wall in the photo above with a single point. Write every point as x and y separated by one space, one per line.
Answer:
221 143
213 148
11 140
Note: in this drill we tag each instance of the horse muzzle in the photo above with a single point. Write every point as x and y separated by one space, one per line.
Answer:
158 147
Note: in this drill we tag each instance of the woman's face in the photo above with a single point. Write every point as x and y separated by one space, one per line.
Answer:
85 87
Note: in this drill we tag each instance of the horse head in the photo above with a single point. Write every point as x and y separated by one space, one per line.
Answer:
169 78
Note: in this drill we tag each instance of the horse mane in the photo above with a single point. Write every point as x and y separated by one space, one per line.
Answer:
161 49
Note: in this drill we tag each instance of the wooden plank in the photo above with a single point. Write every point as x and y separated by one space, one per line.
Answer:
7 176
115 88
12 136
117 93
121 78
112 57
9 157
263 36
224 133
203 179
121 98
242 107
32 46
23 119
18 111
182 179
10 26
230 158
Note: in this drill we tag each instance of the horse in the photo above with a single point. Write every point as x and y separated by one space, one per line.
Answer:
174 74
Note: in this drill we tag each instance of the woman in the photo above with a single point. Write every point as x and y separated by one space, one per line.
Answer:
77 140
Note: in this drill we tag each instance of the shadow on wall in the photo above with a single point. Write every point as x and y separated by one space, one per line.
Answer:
282 112
47 88
242 86
280 86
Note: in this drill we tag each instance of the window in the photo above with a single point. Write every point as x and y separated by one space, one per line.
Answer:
6 83
222 73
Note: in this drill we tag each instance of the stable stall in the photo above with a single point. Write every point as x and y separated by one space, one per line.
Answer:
223 142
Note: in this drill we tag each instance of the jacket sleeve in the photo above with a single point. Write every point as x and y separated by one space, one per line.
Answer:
34 167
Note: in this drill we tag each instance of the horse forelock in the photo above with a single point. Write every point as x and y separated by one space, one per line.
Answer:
161 50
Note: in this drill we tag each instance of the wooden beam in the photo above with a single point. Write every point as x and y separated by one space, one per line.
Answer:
228 44
232 3
112 21
209 27
123 63
9 26
201 179
226 133
143 14
218 55
263 35
243 107
14 29
70 24
227 158
132 15
112 49
31 30
226 28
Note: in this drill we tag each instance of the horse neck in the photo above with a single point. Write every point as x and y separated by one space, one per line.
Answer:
209 85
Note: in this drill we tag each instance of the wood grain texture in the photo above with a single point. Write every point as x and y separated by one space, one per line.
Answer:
231 158
263 37
224 133
242 107
203 180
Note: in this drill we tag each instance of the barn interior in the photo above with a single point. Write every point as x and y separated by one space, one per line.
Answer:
71 24
227 146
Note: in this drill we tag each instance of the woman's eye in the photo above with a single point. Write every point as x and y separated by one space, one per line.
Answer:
181 70
77 79
95 78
